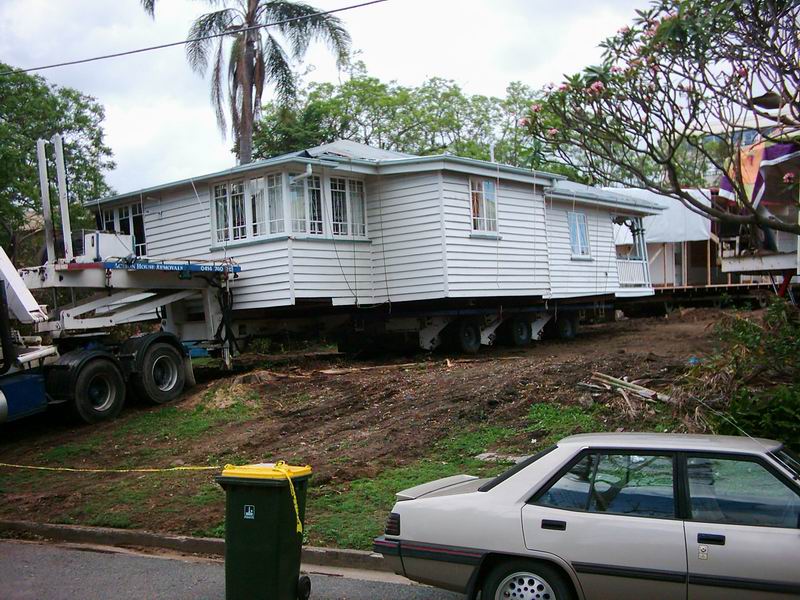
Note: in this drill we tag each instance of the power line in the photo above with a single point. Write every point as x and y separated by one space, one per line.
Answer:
191 40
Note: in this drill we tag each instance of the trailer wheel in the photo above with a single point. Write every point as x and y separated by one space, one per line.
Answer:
467 336
99 391
519 332
163 376
567 327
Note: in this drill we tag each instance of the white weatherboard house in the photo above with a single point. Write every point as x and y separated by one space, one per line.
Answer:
347 224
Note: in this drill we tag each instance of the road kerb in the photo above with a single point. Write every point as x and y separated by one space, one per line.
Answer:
106 536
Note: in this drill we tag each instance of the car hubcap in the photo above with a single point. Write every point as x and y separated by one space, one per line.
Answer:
524 586
165 373
100 392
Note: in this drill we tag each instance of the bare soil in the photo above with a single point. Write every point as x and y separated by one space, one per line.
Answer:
348 425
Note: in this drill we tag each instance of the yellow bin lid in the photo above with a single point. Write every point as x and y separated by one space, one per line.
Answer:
265 471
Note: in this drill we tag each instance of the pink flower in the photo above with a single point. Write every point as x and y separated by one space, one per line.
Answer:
552 132
524 122
550 86
563 87
624 30
536 108
597 87
788 178
616 69
742 72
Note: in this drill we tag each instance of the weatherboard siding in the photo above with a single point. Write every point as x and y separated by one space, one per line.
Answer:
571 277
404 217
335 269
513 264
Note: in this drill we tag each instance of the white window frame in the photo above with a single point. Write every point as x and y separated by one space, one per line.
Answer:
484 192
312 205
579 242
349 227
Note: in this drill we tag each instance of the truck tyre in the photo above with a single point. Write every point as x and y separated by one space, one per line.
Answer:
99 391
467 336
519 332
163 376
525 579
567 327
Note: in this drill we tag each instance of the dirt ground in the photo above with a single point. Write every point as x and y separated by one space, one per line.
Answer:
349 425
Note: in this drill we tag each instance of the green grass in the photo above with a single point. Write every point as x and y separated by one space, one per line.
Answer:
69 452
209 493
352 517
559 421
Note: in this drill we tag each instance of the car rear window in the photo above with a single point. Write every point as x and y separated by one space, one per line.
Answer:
789 459
515 469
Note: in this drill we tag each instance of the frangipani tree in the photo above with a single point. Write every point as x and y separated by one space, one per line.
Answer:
675 96
253 56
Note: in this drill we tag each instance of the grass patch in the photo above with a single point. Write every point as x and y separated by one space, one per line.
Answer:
352 517
69 452
209 493
557 421
116 520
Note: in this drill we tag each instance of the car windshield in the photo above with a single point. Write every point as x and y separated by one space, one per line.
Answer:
789 459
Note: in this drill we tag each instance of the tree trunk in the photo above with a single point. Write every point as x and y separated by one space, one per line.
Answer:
246 124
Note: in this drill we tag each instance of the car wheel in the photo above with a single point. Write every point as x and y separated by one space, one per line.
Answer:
99 391
163 375
525 580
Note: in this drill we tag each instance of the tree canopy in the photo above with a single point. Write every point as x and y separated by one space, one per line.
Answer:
435 117
673 96
31 108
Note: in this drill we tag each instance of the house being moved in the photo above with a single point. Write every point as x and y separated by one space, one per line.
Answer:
348 231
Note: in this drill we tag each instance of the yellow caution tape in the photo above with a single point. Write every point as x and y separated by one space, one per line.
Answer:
284 468
73 470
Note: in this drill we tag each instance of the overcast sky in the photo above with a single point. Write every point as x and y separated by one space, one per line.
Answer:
159 123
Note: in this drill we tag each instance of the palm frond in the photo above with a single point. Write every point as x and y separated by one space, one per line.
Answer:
217 99
216 22
277 70
149 7
310 27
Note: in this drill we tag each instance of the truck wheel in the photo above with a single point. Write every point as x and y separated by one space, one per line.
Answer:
467 336
162 377
526 580
567 327
99 391
519 332
303 587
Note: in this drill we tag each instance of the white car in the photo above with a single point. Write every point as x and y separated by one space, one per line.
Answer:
610 517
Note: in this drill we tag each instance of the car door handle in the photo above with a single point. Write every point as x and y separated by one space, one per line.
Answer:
555 525
711 538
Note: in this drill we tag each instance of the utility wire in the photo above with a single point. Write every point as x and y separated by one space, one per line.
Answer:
191 40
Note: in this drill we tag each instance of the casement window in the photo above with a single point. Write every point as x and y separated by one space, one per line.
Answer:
275 203
305 199
230 212
579 235
221 212
238 215
127 220
483 193
258 207
348 207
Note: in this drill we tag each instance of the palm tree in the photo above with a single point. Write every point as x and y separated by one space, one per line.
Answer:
256 57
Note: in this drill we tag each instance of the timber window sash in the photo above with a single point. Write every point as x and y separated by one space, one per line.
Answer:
275 203
579 235
221 222
127 220
483 198
339 206
305 204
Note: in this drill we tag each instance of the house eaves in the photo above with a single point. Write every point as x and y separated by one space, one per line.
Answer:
568 191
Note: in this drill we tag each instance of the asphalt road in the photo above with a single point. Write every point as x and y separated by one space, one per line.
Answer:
31 571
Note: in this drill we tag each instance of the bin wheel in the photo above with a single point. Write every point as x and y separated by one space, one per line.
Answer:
163 374
303 587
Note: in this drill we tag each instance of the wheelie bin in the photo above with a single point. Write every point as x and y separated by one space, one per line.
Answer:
264 511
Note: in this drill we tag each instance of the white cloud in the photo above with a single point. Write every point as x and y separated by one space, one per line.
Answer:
159 121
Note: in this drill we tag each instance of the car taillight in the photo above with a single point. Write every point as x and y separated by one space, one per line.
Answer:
392 524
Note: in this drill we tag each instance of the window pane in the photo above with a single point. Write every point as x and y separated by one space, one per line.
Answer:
476 193
740 492
339 206
108 220
789 459
573 233
314 186
490 203
124 220
584 234
357 203
238 210
138 234
221 211
257 206
572 490
297 200
275 200
630 484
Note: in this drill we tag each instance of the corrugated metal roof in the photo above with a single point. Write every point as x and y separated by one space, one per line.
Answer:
568 190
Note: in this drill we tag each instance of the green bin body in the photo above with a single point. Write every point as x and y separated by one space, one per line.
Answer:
262 545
